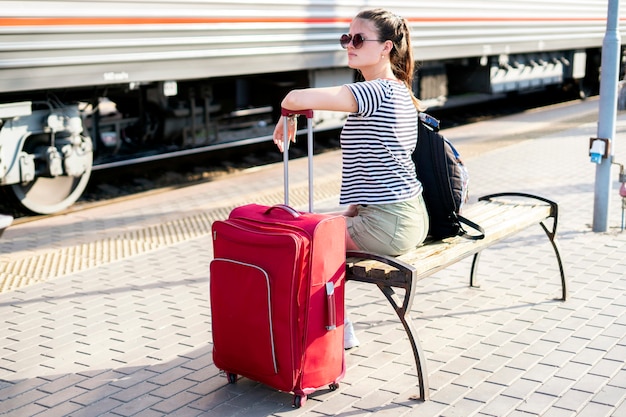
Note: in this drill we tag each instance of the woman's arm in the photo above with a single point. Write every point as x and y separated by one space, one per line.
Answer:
327 98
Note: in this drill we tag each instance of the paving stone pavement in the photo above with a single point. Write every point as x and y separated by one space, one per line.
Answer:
133 337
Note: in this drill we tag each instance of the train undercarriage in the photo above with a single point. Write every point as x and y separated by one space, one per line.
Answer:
50 141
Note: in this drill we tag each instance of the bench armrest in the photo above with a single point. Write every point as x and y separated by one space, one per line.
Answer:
554 207
388 260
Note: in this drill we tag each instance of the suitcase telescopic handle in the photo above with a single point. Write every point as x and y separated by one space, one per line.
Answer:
309 115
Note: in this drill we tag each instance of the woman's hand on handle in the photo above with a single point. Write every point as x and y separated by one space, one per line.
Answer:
279 132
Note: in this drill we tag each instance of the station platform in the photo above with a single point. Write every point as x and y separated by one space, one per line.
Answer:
106 312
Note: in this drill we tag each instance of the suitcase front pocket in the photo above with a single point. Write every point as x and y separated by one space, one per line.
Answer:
243 336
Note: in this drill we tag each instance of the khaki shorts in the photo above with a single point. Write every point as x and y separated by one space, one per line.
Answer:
389 229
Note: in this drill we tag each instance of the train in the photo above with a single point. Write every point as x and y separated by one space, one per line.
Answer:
88 85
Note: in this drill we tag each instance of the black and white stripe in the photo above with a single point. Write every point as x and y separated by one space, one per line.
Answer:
377 142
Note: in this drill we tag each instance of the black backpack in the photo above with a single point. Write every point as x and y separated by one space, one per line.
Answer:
444 179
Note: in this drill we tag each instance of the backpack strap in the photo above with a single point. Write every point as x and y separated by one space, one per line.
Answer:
475 226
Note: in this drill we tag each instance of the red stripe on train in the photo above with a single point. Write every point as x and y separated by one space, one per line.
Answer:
83 21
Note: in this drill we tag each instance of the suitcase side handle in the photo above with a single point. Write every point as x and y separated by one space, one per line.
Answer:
331 324
285 208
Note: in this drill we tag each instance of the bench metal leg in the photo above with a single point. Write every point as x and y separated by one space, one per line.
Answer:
475 259
555 246
403 315
406 280
550 232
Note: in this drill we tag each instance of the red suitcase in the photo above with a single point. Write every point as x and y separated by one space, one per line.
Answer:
277 296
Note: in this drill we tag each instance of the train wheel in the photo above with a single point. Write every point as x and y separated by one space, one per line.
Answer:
585 90
50 194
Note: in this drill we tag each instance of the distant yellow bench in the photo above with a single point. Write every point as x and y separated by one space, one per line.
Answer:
501 216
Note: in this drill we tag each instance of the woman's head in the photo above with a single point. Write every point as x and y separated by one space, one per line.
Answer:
391 27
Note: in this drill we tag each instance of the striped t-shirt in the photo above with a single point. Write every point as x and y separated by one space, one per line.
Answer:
377 142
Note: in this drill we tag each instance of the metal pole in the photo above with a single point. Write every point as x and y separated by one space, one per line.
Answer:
607 116
310 152
286 160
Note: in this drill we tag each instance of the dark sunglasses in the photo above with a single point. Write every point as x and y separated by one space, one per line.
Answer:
357 41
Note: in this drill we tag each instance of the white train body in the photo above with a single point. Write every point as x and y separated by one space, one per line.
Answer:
89 84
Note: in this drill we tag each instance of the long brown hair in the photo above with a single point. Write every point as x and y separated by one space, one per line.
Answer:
396 29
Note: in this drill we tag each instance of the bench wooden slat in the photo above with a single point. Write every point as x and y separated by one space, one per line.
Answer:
498 220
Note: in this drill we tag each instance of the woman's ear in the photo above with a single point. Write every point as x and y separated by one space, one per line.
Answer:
388 47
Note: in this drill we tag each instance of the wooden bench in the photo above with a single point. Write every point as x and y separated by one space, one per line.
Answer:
501 216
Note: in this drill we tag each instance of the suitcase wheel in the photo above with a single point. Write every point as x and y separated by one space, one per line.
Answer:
232 378
333 386
299 400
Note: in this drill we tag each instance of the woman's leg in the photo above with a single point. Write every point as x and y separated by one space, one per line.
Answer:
349 337
350 211
350 245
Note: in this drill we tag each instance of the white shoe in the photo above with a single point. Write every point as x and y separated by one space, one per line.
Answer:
349 338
